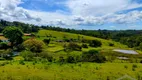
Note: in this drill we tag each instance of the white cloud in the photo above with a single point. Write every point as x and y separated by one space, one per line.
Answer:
9 10
84 12
99 7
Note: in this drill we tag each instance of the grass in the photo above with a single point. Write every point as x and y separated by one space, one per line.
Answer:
79 71
60 35
56 35
58 46
17 69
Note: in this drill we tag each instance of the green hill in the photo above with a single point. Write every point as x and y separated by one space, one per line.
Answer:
56 35
43 69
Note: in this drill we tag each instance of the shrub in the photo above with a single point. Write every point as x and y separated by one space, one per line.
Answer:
34 45
141 61
21 62
46 41
95 43
111 44
85 41
134 66
4 63
93 56
6 54
66 40
125 66
71 59
27 55
3 45
20 48
84 45
46 55
73 46
61 60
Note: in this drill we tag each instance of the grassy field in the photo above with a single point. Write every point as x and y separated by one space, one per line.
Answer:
18 69
57 47
56 35
80 71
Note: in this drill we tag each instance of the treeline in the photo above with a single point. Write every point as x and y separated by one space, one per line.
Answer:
132 38
26 28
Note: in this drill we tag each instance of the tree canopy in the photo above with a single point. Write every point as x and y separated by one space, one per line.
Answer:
14 35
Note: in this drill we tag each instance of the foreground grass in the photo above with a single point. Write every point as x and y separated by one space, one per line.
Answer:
80 71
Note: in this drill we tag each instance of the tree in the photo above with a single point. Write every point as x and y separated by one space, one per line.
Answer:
93 56
140 47
73 47
34 45
3 45
27 55
95 43
14 35
46 41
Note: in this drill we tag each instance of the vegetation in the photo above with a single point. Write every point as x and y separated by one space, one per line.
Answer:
4 45
58 54
95 43
73 46
93 56
34 45
46 41
14 35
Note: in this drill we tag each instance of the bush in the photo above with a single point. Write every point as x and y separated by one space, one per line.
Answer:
21 62
27 55
4 63
84 41
34 45
84 45
6 54
111 44
3 45
20 48
66 40
46 55
61 60
125 66
140 61
71 59
95 43
134 66
46 41
93 56
73 46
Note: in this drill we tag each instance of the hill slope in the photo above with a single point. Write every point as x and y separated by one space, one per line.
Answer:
61 35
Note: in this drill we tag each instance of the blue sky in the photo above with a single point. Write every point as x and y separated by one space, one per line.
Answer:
77 14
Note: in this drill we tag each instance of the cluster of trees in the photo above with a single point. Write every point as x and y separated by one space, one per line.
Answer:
26 28
73 46
88 56
17 43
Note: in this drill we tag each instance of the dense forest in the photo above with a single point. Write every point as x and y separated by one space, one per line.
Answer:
132 38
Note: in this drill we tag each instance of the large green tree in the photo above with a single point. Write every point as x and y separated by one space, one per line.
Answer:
14 35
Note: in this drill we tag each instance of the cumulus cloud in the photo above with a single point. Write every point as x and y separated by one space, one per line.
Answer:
9 10
83 13
130 17
100 7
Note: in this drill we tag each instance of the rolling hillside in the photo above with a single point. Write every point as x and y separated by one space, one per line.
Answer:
60 35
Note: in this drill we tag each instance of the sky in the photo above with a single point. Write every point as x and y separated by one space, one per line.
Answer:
77 14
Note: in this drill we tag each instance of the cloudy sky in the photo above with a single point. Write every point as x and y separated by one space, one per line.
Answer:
77 14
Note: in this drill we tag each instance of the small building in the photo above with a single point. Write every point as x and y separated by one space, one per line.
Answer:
27 34
3 39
